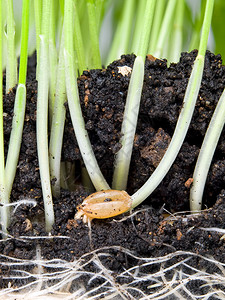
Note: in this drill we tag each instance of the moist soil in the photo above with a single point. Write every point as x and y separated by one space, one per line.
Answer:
149 232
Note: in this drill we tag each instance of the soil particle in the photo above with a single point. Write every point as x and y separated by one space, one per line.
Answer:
156 148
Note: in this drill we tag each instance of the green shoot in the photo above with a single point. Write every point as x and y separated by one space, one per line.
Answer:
138 26
123 157
4 210
58 120
20 103
159 10
11 64
218 27
24 42
93 28
196 29
184 119
38 14
52 58
206 154
42 117
81 8
165 28
177 33
121 40
99 12
74 104
146 29
79 46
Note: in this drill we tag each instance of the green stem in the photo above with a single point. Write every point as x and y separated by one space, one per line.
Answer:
74 104
24 42
196 28
58 120
38 14
42 117
146 28
121 39
206 27
165 27
19 106
99 10
123 157
217 121
11 64
206 154
79 46
184 119
20 103
4 210
157 21
96 58
61 4
15 136
138 26
177 33
52 59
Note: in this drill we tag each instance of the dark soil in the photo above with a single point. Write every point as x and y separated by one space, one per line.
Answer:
103 94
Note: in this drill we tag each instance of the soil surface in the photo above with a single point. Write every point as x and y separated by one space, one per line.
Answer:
149 232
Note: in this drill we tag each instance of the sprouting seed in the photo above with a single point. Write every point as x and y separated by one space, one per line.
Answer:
103 204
